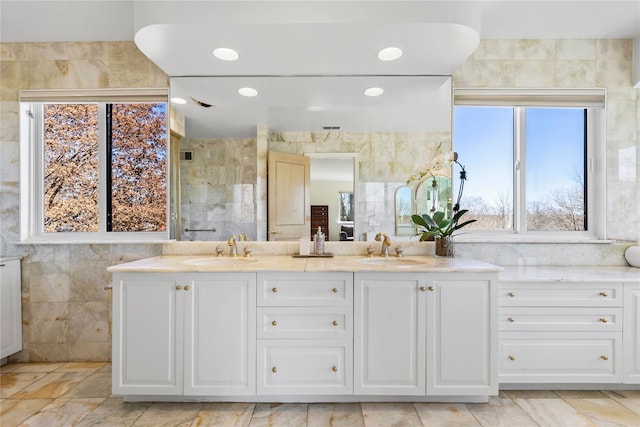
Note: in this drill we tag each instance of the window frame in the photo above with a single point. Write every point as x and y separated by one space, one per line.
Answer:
594 102
32 165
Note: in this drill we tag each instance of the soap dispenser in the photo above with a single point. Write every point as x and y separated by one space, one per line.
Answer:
318 242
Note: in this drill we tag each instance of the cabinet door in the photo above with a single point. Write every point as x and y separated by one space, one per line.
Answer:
10 308
220 334
631 334
461 338
147 334
389 334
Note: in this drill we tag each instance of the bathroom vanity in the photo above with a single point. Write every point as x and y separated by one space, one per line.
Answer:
283 329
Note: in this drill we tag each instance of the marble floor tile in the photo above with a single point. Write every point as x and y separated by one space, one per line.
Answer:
52 385
12 383
36 367
63 412
528 394
14 411
500 412
390 415
335 415
224 415
553 413
606 412
628 398
169 414
115 412
445 415
279 414
81 366
95 385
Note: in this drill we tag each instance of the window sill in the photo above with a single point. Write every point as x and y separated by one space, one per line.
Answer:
91 242
533 240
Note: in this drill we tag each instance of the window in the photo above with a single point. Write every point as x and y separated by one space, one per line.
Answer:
531 162
93 170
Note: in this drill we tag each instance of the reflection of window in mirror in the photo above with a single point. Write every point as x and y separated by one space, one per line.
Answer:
434 194
346 206
404 210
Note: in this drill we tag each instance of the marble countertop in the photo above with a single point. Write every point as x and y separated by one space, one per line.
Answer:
200 263
570 274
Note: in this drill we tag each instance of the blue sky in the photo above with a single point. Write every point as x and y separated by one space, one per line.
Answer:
483 136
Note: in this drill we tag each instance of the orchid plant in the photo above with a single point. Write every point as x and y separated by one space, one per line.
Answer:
438 225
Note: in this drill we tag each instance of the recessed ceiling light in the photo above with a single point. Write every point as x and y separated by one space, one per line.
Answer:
247 91
373 91
225 54
179 101
390 53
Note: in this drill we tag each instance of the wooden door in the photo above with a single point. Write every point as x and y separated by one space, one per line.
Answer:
288 196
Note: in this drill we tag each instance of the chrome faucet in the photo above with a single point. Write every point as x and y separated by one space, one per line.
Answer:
386 242
233 244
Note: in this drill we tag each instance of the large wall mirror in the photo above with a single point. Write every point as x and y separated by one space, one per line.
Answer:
227 137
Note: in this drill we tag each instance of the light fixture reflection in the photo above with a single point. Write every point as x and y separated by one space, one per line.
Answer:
390 53
373 91
247 91
225 54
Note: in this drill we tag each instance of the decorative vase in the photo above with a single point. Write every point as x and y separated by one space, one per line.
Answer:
444 246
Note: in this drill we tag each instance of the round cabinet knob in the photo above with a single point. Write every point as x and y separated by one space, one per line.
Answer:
335 323
422 288
274 290
178 287
603 357
511 294
186 288
512 358
510 319
603 320
334 369
431 288
334 290
274 323
274 370
604 294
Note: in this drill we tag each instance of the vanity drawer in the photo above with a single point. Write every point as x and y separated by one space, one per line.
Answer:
560 319
560 357
305 367
545 294
305 289
305 322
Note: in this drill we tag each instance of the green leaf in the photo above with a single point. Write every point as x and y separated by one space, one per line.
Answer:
430 221
438 217
464 223
418 220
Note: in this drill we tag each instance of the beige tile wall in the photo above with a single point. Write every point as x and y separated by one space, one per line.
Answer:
66 310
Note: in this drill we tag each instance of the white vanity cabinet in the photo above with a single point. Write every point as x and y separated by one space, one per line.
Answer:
305 333
631 334
557 332
390 333
425 334
184 334
10 307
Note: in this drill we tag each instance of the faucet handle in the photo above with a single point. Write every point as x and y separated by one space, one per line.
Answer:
399 249
219 250
247 252
231 240
370 251
242 237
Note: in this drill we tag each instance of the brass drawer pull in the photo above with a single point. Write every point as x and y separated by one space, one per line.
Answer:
335 323
604 294
511 294
274 323
186 288
510 319
431 288
512 358
603 357
178 287
274 290
334 369
334 290
603 320
274 370
422 288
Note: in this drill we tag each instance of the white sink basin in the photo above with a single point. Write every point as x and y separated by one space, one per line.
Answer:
390 261
221 261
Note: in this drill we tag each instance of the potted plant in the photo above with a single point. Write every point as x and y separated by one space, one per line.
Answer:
437 226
